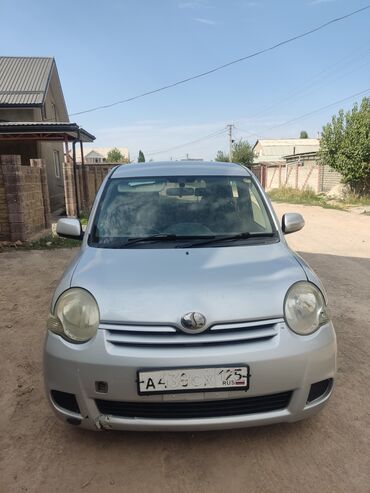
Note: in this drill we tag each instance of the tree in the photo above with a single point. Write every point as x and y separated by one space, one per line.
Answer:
222 157
345 145
242 153
303 134
115 156
141 157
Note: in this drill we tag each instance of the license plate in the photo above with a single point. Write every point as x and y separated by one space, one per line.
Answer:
181 380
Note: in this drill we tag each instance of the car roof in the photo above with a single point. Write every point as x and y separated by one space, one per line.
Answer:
179 168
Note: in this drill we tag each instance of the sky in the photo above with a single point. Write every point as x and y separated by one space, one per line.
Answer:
115 49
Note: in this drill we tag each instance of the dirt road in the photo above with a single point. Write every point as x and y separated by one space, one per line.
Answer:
330 453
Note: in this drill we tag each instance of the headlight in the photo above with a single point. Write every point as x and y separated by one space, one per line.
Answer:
76 316
304 308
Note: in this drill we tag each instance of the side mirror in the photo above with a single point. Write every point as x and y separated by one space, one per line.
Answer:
291 223
68 227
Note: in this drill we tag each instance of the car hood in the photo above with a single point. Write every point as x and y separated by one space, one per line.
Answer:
159 286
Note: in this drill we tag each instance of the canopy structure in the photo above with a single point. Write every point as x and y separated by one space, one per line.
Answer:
63 132
43 131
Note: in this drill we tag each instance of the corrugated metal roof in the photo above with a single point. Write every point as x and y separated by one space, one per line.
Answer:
275 149
288 142
24 80
34 124
39 128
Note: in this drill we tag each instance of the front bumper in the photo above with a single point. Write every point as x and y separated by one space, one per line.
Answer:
287 362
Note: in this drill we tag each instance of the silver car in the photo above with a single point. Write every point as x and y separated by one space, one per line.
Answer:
185 309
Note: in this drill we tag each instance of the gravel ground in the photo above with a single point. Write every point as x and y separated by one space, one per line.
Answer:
329 453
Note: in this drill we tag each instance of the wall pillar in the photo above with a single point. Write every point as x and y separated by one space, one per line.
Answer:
69 188
85 189
279 175
12 178
40 163
296 175
320 178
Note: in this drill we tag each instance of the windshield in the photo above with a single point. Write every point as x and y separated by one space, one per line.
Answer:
179 208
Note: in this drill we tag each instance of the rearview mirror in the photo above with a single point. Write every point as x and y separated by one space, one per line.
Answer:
180 192
69 227
291 223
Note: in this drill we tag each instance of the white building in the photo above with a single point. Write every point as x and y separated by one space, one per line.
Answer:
274 150
98 155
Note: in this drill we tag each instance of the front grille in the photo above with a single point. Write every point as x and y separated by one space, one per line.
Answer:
167 336
195 409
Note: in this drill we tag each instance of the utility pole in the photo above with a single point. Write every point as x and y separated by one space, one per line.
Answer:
230 133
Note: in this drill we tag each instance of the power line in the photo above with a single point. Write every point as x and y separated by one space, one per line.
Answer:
327 73
288 122
300 117
225 65
206 137
319 109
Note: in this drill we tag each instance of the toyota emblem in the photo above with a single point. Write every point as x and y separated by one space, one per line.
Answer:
193 322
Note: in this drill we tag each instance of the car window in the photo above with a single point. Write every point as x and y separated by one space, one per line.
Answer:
194 206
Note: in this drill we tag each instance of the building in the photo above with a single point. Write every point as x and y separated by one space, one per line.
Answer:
34 122
292 163
99 155
274 150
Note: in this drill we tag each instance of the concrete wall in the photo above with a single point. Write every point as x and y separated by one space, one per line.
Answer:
303 177
294 176
309 175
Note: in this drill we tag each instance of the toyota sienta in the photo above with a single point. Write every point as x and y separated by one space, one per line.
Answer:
185 309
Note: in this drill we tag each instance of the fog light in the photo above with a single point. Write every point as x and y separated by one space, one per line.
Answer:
65 400
318 389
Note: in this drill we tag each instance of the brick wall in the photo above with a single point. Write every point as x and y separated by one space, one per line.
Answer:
329 178
24 193
4 220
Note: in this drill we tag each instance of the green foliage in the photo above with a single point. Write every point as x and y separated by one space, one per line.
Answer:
303 134
242 153
294 196
141 157
221 157
345 145
115 156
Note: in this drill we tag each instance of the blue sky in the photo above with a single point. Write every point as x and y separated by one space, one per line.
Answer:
109 50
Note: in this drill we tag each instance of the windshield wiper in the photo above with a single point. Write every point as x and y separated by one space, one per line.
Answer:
239 236
153 238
